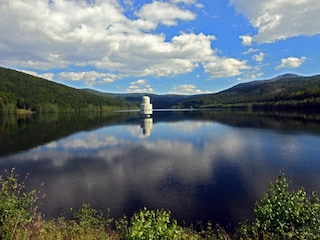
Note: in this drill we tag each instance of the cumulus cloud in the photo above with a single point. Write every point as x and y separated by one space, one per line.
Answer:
90 78
184 1
250 50
290 62
140 86
258 57
280 19
58 34
48 76
225 67
186 89
246 40
164 13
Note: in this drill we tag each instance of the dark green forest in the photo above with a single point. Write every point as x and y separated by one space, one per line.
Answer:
21 91
282 93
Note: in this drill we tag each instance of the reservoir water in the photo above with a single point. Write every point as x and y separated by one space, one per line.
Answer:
200 165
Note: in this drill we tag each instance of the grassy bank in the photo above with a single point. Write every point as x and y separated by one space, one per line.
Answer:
280 214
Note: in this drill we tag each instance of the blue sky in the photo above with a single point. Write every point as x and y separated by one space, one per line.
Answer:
163 46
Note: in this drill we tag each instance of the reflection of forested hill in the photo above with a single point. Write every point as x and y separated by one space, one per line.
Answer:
282 93
278 121
19 134
21 90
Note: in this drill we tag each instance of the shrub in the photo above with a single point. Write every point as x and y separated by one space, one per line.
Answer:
149 224
16 205
285 214
89 222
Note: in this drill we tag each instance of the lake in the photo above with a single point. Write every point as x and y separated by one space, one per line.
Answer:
200 165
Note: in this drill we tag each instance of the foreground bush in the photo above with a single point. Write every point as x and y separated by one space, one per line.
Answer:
16 206
285 214
158 225
280 214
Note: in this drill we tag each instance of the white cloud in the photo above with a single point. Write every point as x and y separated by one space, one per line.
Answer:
186 89
58 34
90 78
290 62
246 40
226 67
280 19
253 75
140 86
164 13
250 50
184 1
140 82
48 76
189 2
258 57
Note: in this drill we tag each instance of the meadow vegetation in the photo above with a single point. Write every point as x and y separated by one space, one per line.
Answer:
280 214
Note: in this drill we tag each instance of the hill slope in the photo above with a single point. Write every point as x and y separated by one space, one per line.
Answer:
281 92
24 91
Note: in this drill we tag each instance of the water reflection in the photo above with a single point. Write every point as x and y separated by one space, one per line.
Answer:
200 165
146 124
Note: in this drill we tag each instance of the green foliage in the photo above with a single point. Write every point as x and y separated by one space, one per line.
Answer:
149 224
285 214
15 205
28 92
157 224
89 221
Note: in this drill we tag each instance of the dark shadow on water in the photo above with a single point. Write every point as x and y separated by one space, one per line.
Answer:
19 133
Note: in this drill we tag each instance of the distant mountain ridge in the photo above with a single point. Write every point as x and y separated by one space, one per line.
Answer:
256 83
284 91
158 101
288 91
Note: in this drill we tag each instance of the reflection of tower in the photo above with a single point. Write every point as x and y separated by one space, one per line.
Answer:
146 106
146 124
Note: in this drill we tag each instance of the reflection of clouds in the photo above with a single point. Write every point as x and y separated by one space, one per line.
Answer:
135 131
90 141
231 145
181 159
110 169
188 126
51 144
290 147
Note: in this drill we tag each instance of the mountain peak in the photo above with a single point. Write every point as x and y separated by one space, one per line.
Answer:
286 75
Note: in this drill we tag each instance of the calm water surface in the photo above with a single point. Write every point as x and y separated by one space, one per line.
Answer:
201 165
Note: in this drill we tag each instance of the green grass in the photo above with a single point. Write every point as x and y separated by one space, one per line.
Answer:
280 214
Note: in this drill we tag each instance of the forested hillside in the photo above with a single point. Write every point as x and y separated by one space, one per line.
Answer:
280 93
23 91
20 91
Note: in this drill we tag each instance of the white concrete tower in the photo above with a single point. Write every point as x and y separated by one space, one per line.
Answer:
146 106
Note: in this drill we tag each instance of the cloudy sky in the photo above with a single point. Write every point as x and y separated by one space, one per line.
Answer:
160 46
